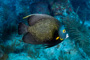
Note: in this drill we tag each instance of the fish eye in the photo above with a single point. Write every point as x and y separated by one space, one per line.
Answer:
64 31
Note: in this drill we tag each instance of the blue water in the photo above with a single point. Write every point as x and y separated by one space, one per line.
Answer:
76 47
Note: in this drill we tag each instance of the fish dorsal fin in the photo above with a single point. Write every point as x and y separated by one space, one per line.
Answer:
26 16
33 18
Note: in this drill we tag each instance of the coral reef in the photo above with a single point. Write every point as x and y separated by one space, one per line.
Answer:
76 47
84 8
61 7
78 32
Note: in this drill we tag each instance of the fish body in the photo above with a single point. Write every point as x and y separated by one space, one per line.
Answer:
42 29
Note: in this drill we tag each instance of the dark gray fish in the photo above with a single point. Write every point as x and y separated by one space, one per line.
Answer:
42 29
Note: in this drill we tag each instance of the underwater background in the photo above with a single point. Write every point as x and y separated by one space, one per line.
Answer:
75 15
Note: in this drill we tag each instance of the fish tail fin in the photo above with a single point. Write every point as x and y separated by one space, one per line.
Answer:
22 28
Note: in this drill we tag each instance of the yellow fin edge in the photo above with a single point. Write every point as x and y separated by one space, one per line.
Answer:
26 16
57 38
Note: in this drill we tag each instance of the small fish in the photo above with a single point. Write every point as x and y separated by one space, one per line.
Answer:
42 29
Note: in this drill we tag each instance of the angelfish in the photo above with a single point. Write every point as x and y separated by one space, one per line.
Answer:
42 29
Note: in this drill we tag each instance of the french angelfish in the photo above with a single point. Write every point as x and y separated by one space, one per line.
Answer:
42 29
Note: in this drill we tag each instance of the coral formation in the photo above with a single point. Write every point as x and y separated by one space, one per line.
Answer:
13 48
84 8
78 32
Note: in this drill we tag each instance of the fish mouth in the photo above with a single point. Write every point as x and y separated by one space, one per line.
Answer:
67 35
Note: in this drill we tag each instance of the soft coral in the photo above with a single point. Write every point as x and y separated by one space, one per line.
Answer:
78 32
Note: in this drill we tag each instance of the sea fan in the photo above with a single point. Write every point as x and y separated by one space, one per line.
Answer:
78 32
